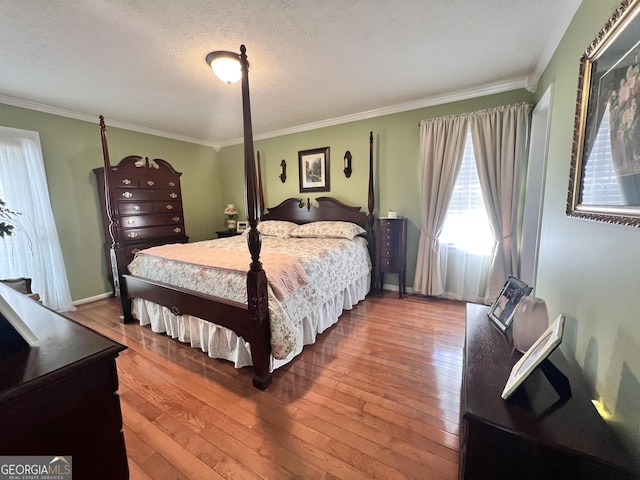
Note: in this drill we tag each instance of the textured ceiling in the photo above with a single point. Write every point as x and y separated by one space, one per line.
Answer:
141 64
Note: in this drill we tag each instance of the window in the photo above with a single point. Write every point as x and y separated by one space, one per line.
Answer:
466 241
34 249
467 226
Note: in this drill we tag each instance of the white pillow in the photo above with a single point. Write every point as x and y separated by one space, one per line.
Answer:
327 229
276 228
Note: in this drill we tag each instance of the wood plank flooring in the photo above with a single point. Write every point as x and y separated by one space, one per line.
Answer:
376 397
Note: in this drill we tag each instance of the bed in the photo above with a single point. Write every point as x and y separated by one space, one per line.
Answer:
241 316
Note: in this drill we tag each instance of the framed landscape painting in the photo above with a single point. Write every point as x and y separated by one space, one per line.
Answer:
314 170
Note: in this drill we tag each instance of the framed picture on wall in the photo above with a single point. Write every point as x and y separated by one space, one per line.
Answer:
502 310
313 166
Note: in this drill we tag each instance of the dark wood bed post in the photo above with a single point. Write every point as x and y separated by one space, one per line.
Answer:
370 216
258 303
119 286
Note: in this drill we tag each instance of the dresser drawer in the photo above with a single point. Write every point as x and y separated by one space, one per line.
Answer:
389 264
145 208
168 207
134 181
135 208
132 234
142 194
135 221
160 183
125 181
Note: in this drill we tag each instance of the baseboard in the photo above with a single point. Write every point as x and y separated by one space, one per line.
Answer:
92 299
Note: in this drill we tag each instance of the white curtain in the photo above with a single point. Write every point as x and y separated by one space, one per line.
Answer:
442 143
34 248
466 241
500 139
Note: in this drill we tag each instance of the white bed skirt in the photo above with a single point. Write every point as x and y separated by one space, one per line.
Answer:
220 342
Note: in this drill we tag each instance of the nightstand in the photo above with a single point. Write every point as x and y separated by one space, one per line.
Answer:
391 251
228 233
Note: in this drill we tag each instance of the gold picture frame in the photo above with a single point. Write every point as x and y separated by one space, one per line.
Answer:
604 181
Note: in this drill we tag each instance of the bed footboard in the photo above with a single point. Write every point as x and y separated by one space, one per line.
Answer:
226 313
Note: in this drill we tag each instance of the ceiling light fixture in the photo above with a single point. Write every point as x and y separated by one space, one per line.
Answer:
226 65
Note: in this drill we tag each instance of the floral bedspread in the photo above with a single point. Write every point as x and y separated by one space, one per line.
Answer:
330 263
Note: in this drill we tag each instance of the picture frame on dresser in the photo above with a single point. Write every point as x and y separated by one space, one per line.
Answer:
538 353
242 226
504 307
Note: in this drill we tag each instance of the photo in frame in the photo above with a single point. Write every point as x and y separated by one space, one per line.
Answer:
604 182
539 351
242 226
502 310
313 166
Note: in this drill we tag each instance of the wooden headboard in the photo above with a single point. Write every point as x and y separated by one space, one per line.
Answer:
297 211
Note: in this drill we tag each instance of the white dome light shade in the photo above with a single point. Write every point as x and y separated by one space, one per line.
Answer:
226 66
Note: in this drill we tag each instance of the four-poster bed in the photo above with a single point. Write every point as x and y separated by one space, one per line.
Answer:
246 320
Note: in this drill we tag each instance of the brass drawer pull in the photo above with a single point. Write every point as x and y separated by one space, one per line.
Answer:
127 194
131 221
175 219
151 183
172 184
177 229
126 181
132 234
136 207
173 195
169 207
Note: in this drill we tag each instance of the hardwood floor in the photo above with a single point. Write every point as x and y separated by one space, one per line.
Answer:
376 397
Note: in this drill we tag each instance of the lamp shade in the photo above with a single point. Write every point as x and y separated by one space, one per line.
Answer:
226 66
530 320
230 209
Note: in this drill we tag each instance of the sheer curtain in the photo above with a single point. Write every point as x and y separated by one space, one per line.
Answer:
500 138
34 248
442 143
466 241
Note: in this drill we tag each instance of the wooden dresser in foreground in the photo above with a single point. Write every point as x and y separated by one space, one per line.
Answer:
534 434
59 398
391 251
148 206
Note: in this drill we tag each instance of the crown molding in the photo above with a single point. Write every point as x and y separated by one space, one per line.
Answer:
403 107
63 112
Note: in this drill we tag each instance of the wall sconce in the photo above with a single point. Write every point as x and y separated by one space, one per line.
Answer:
347 164
283 171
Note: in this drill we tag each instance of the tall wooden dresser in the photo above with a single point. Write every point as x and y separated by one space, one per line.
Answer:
391 251
147 206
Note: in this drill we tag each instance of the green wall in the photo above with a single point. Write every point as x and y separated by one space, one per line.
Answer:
396 166
72 148
589 271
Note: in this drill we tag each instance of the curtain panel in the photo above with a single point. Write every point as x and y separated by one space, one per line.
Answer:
33 250
500 140
442 143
